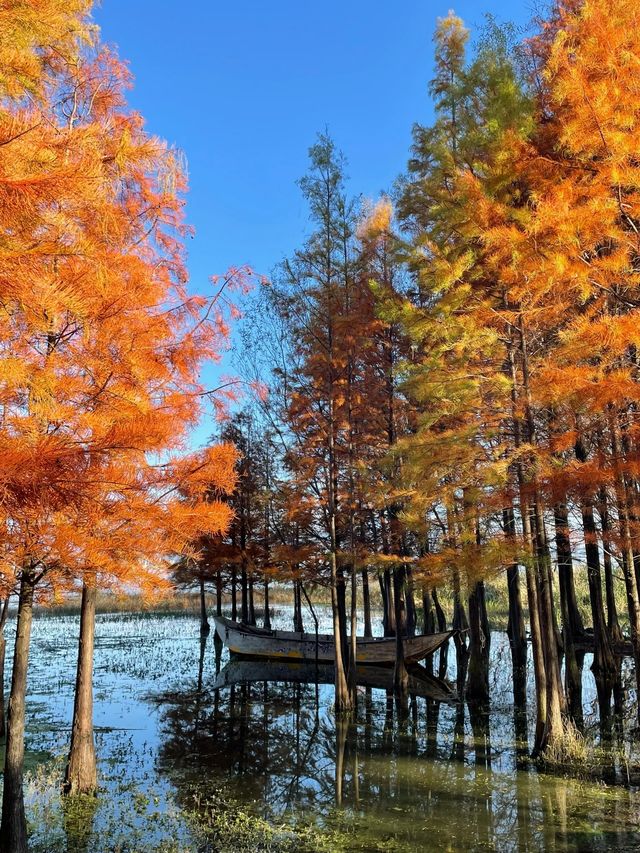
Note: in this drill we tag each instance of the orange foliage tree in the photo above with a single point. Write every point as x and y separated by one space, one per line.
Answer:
100 342
537 245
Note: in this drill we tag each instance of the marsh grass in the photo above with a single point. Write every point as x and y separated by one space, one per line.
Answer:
176 603
570 752
227 827
100 824
187 602
205 823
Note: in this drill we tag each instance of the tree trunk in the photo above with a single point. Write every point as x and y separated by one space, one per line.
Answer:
3 650
410 609
388 609
81 774
353 649
615 631
535 623
554 727
244 598
628 568
556 700
538 657
478 669
13 829
218 594
460 622
633 605
603 662
342 610
572 626
298 624
441 619
343 697
537 641
400 674
428 619
573 678
366 603
205 628
516 629
234 597
267 615
571 617
442 627
252 607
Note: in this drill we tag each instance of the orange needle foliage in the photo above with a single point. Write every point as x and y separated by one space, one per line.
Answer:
545 261
37 34
100 341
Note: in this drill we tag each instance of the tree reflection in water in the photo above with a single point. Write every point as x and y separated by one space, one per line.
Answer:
415 774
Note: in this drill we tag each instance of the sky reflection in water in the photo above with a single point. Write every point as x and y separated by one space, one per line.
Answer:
426 777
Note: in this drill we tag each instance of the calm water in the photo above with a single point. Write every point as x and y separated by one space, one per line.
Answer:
427 776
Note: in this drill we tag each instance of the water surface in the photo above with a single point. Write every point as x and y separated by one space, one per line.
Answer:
416 776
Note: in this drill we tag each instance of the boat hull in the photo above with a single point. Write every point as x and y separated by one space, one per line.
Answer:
288 645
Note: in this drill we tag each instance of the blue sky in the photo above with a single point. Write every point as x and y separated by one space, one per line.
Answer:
242 87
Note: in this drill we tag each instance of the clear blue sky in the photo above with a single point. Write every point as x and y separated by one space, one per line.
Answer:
243 86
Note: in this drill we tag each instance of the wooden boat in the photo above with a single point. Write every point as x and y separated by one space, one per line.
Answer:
244 671
258 642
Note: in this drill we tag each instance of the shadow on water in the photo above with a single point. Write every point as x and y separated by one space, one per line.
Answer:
425 773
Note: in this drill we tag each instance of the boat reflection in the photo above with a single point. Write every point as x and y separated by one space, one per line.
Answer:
245 671
427 773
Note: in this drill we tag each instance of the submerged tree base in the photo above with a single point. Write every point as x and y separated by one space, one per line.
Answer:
568 750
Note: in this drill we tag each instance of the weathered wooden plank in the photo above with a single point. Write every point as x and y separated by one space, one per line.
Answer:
257 642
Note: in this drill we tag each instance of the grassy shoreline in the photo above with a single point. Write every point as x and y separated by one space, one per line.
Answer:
187 602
